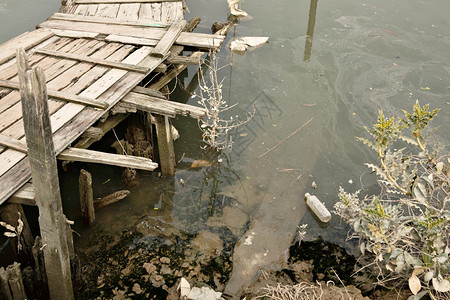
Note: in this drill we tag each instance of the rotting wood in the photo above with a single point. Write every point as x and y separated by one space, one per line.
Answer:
11 214
165 145
86 197
4 285
161 107
101 62
38 256
15 281
111 122
185 60
149 92
111 198
173 32
74 154
45 178
61 96
120 1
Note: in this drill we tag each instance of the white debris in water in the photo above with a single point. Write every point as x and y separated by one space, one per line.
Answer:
234 8
350 181
241 44
204 293
249 240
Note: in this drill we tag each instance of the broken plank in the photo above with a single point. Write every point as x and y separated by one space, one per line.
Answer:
126 161
162 107
101 20
75 33
168 39
128 11
120 1
61 96
87 59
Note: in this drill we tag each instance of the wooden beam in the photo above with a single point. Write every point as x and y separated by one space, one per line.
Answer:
126 161
41 154
102 20
24 196
168 39
11 143
61 96
87 59
165 145
184 60
162 107
120 1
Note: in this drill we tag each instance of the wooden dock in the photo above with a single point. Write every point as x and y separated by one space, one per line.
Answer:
94 54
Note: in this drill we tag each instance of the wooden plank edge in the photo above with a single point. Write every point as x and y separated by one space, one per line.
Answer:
91 156
61 96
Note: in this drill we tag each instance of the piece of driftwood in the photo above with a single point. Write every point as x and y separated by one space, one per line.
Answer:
86 197
39 137
110 199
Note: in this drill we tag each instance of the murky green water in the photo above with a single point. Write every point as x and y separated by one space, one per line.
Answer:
363 57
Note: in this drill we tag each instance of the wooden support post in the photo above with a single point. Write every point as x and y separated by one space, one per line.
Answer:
165 145
11 215
86 197
42 158
16 282
5 292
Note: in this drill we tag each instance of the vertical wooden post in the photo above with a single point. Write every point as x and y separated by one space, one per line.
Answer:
86 197
11 216
165 145
310 31
41 154
16 282
5 292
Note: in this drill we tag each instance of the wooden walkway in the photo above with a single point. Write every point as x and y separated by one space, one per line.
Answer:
93 53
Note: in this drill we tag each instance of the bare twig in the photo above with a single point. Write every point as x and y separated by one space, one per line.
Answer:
284 140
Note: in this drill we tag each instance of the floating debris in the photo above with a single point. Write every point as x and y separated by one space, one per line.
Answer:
240 45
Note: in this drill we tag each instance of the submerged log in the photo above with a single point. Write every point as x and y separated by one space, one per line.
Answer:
110 199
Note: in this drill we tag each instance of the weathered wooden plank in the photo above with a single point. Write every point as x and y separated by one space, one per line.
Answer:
86 197
126 161
25 195
200 40
87 59
185 60
168 39
8 159
81 9
75 34
14 144
92 10
120 1
45 179
162 107
26 41
165 145
128 11
145 12
60 96
101 20
135 31
156 11
16 130
107 10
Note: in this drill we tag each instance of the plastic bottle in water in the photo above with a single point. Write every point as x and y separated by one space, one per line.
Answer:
318 208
